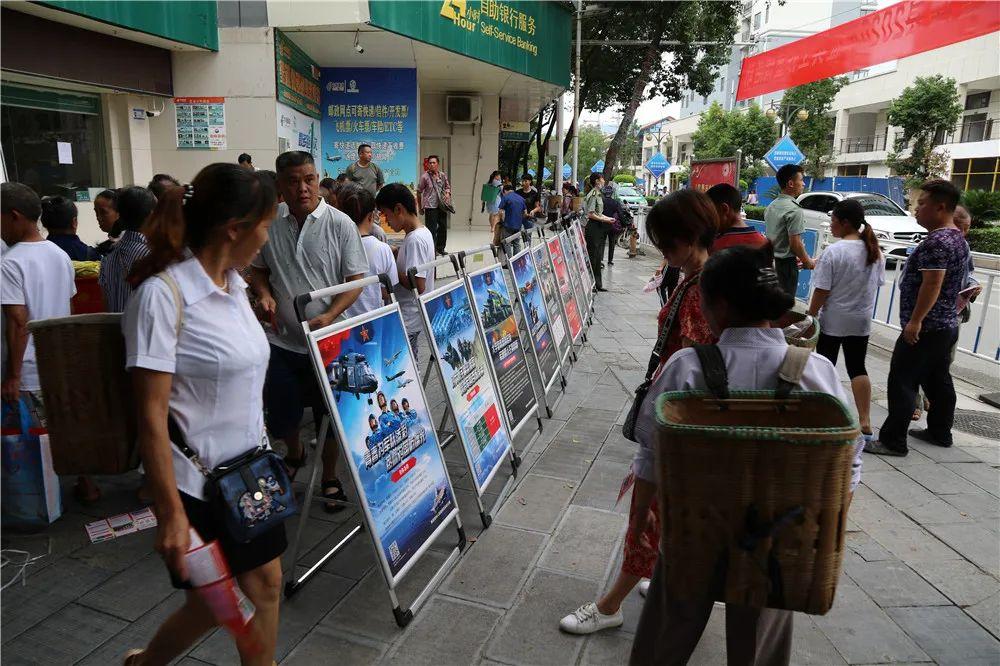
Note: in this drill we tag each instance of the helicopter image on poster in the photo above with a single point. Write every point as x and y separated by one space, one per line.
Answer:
351 373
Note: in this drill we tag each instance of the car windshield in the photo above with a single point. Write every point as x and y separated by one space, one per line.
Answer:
878 207
627 192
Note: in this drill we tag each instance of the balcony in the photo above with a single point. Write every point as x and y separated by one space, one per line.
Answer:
863 144
971 132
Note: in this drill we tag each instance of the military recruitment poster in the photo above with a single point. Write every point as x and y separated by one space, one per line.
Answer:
561 272
535 314
388 431
550 293
496 316
467 380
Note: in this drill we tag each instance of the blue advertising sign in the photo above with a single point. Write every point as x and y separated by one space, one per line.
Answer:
468 383
373 105
377 402
535 314
784 152
567 171
496 317
598 168
657 165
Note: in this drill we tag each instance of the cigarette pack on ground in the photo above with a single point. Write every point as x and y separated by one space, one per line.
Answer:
120 525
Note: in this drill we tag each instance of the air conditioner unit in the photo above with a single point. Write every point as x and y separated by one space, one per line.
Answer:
463 109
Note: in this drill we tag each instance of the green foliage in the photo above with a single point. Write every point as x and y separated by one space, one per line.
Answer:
684 174
626 178
651 200
985 240
813 135
929 105
755 212
983 206
721 133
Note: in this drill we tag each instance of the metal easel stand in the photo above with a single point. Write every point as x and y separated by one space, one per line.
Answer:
294 584
449 436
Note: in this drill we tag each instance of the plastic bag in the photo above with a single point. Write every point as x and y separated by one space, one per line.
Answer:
31 496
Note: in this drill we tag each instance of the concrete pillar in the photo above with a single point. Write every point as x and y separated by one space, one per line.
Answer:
840 128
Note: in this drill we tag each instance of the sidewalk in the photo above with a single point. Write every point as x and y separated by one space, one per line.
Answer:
921 580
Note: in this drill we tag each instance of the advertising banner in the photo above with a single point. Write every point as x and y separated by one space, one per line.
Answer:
583 257
550 293
559 269
200 122
297 131
706 173
473 398
373 105
503 339
297 77
536 314
577 273
902 29
374 388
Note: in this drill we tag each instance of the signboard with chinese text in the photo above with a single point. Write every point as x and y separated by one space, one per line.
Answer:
201 122
515 130
297 77
297 131
784 152
657 165
706 173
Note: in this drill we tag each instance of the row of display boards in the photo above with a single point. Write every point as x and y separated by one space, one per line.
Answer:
483 329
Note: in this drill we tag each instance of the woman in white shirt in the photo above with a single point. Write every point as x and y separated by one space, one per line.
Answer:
359 205
200 363
846 281
740 295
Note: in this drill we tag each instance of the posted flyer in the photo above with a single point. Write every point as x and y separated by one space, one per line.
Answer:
535 313
550 292
389 432
559 267
576 271
473 398
496 316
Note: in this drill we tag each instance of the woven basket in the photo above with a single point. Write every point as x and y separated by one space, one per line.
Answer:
806 338
88 397
729 469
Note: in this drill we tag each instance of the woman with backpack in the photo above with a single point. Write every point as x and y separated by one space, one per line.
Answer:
198 358
846 281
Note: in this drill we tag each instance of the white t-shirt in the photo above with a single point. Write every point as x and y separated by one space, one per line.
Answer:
853 283
40 276
380 260
417 249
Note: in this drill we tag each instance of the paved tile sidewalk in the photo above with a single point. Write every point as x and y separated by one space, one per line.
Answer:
921 580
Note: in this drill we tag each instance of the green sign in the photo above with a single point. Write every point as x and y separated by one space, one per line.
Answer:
297 77
193 22
512 130
531 37
51 100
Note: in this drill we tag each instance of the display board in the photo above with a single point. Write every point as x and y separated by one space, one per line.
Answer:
579 244
564 264
468 383
200 122
495 311
553 303
378 405
536 315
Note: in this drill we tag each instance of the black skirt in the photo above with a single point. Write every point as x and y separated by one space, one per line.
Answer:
241 557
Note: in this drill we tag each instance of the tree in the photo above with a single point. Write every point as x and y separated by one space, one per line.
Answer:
923 109
631 150
721 133
813 135
593 144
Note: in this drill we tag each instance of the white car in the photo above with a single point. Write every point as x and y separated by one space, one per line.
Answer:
888 220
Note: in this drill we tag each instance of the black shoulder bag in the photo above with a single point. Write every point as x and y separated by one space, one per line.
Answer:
628 428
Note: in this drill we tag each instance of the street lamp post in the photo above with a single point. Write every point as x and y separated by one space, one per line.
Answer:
772 112
659 136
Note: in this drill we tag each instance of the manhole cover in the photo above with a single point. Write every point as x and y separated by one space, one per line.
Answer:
982 424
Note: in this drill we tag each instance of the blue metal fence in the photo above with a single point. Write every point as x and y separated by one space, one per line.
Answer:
890 187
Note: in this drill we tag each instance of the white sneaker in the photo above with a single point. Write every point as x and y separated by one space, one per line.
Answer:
587 619
643 588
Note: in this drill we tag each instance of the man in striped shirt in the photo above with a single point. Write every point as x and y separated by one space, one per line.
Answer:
135 204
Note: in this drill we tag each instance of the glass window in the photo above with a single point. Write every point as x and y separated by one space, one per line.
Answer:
57 150
977 174
756 21
852 170
879 207
979 100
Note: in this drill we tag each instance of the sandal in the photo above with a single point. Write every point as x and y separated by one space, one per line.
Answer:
131 656
917 414
293 465
334 495
86 491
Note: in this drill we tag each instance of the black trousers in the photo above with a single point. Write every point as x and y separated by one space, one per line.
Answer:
436 220
596 234
788 273
612 241
927 364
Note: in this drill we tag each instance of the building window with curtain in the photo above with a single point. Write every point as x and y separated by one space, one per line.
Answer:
981 173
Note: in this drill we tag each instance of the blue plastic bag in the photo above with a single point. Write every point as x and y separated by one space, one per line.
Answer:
30 486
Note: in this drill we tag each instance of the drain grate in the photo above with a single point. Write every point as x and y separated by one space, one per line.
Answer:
982 424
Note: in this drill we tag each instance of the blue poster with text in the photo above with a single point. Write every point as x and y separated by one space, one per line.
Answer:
373 105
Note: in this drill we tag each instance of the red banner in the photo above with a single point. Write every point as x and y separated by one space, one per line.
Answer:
706 173
900 30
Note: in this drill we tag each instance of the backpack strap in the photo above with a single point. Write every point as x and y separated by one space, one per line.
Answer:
713 369
178 299
790 372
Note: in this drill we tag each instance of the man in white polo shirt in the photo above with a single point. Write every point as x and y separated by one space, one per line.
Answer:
311 245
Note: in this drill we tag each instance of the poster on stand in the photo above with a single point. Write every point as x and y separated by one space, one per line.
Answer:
581 246
536 315
583 261
550 294
575 271
566 292
373 389
468 383
503 339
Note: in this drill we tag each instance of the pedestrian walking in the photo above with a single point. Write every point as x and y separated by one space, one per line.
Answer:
732 229
491 195
364 172
740 296
597 228
618 212
396 203
928 298
198 357
434 202
359 205
532 200
513 213
569 193
311 246
784 225
59 219
135 205
246 162
848 275
682 226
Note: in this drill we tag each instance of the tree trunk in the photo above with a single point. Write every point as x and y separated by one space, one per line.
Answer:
649 59
568 141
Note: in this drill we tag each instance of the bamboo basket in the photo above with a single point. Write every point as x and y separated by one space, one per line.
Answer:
754 493
88 397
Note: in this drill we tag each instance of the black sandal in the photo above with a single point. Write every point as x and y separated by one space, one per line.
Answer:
293 465
334 495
